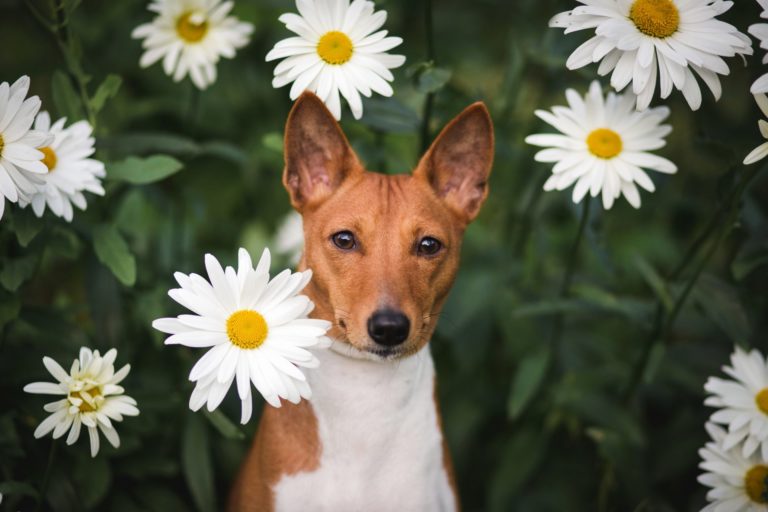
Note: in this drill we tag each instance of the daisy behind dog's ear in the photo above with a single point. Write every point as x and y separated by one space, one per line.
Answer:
338 49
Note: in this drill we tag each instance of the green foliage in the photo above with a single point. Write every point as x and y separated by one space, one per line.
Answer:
585 397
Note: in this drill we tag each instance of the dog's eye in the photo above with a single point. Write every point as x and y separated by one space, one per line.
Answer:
428 246
344 240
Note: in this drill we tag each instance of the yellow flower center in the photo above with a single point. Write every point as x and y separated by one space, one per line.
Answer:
655 18
247 329
2 144
755 483
84 406
49 158
761 399
192 26
335 47
604 143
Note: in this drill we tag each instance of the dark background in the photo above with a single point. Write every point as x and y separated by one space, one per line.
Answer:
585 401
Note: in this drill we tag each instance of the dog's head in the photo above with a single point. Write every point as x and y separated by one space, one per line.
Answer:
384 249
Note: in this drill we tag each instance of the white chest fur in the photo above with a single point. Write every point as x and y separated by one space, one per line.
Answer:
380 440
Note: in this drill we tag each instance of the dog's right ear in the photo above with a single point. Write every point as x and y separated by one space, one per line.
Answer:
318 157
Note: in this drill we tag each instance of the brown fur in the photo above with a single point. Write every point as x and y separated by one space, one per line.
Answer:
286 443
388 215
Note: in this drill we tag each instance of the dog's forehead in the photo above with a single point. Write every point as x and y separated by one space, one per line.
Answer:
391 196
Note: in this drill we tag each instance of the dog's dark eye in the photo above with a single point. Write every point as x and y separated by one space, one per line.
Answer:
428 246
344 240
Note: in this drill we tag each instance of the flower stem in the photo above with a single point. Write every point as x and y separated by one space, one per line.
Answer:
426 115
47 474
565 285
64 40
716 230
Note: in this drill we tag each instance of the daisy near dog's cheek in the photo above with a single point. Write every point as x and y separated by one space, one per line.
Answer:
257 330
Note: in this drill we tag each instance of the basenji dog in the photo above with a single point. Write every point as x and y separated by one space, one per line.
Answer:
384 250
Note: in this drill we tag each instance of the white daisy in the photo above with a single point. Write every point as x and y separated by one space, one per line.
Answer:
289 239
760 151
337 51
70 170
743 402
760 31
19 156
738 483
258 329
190 36
604 146
642 40
92 398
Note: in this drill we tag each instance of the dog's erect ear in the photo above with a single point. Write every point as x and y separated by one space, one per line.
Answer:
458 163
318 157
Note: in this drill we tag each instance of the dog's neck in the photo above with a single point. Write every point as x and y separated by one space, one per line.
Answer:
378 426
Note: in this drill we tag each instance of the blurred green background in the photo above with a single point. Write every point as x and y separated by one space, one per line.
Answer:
585 401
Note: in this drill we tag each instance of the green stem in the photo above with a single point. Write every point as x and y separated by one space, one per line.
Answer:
64 41
47 474
426 114
661 326
565 285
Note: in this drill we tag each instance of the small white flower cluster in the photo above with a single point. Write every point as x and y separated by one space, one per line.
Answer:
48 165
91 398
735 461
672 43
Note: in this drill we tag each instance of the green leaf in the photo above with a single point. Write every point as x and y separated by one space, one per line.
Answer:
225 151
140 171
548 307
26 225
722 305
65 97
224 425
389 115
92 478
530 374
11 487
106 90
432 79
150 142
273 141
654 280
196 463
63 242
113 251
16 271
10 308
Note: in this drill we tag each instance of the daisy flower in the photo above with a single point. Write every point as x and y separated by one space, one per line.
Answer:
70 170
641 41
289 239
743 402
20 160
92 397
738 482
337 50
190 36
603 146
760 31
258 330
760 151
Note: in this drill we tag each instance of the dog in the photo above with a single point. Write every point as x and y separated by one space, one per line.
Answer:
384 250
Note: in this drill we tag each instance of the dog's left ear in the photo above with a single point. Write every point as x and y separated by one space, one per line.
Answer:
458 163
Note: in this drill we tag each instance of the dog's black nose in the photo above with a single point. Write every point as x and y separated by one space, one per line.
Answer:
388 327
